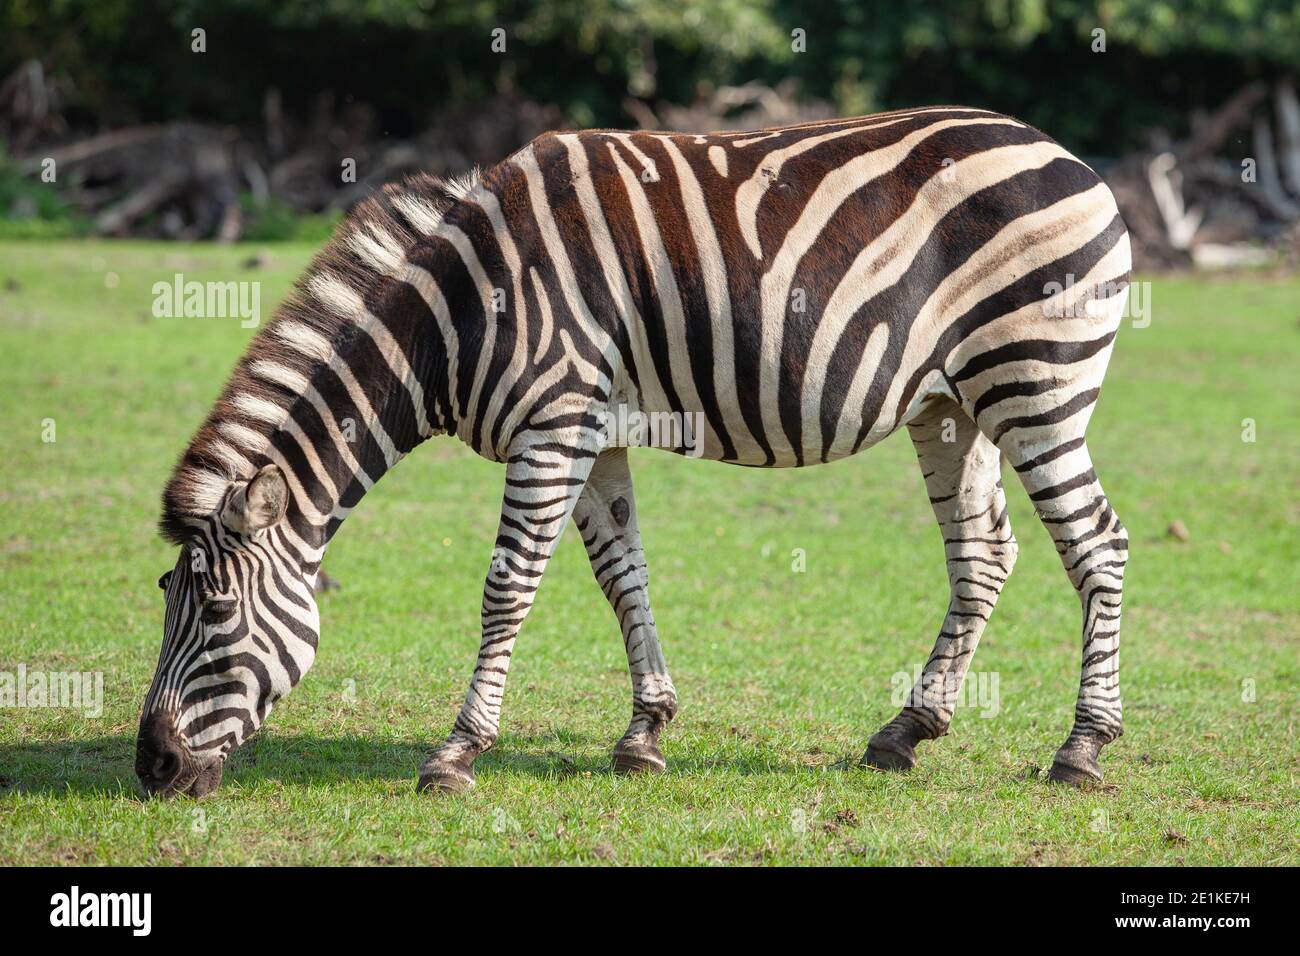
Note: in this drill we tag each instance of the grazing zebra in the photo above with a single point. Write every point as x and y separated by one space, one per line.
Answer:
803 291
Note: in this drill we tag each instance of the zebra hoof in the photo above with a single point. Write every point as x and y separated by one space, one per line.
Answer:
1080 777
889 755
1075 763
888 749
639 758
445 778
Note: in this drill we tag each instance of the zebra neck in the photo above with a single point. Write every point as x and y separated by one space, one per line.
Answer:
362 412
349 375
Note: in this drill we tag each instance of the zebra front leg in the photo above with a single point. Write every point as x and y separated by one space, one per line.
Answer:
963 478
606 517
542 486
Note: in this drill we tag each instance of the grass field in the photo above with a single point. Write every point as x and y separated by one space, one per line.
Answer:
782 675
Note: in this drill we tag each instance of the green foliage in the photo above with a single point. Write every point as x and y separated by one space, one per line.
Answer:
32 209
1035 60
27 228
275 221
131 60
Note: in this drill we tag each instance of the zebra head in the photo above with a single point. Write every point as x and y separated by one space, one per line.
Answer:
240 630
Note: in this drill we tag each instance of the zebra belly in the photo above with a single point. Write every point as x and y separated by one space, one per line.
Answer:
633 421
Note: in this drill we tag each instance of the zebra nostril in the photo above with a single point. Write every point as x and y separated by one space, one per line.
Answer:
165 766
160 758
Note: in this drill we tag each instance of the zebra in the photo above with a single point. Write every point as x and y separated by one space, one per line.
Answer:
805 291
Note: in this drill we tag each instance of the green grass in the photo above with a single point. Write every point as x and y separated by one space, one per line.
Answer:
782 676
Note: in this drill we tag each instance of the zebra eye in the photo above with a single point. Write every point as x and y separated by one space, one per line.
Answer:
216 610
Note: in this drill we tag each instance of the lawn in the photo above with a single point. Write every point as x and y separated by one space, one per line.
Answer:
782 673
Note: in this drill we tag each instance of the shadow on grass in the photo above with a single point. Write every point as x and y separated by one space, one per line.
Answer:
103 766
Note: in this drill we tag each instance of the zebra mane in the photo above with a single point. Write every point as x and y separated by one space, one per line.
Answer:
302 336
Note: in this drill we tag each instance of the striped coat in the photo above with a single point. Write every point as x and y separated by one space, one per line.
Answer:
785 297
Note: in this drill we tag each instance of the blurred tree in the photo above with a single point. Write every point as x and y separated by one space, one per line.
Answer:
126 61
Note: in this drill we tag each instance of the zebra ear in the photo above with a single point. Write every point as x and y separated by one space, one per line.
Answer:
259 504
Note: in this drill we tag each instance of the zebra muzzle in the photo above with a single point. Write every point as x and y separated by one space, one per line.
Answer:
166 768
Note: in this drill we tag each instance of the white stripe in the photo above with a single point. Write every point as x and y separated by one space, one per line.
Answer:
519 354
836 187
555 247
608 259
1021 246
424 216
660 273
884 261
469 256
717 156
713 269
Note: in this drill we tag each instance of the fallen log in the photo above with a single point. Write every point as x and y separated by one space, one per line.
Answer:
1185 203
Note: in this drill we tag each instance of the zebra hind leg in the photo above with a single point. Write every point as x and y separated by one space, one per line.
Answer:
1040 427
606 517
1093 546
963 478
